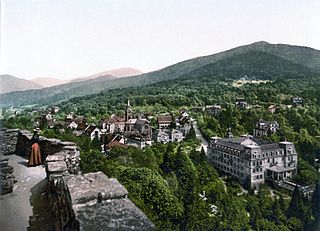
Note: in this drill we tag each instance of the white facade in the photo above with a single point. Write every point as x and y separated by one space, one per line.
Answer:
246 159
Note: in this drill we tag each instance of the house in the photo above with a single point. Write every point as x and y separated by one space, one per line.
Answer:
113 125
272 108
49 116
55 109
69 117
241 103
183 118
253 161
213 109
297 101
73 125
82 126
80 119
176 135
264 128
168 135
113 141
164 121
161 136
93 132
138 141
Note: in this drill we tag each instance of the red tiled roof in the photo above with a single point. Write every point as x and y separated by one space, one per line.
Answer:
116 143
167 118
115 119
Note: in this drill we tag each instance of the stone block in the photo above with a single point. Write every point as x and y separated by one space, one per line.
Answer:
84 189
56 167
67 143
55 157
8 170
3 158
3 164
118 214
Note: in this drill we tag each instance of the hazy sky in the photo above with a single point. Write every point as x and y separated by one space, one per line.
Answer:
68 38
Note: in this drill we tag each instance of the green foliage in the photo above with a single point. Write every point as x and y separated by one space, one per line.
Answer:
298 207
149 191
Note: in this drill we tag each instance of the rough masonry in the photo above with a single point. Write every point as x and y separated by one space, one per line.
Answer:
78 201
8 142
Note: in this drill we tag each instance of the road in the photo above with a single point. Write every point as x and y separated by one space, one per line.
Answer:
204 142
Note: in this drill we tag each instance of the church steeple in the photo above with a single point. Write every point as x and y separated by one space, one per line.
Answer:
128 113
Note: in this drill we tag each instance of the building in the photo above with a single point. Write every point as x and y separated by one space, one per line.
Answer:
241 103
138 141
164 121
213 109
264 128
93 132
55 109
73 125
176 135
272 108
253 161
297 101
168 135
113 125
162 136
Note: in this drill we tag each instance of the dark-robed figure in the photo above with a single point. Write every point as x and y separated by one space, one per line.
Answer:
35 155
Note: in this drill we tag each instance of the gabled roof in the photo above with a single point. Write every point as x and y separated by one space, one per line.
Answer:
114 119
90 129
79 119
142 121
116 143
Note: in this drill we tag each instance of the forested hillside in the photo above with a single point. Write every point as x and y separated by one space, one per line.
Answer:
259 60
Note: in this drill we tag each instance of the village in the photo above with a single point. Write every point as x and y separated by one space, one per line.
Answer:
116 131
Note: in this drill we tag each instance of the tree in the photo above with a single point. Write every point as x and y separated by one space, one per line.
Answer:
316 206
192 134
298 207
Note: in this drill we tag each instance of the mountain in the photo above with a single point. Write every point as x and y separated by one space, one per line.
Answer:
48 82
120 72
259 60
9 83
254 64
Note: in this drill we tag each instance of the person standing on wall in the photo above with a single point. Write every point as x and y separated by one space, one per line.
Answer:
35 155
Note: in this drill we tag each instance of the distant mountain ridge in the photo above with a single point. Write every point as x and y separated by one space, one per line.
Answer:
259 60
119 73
48 82
9 83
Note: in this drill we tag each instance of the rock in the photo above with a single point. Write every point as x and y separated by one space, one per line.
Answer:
118 214
56 167
85 188
56 157
8 170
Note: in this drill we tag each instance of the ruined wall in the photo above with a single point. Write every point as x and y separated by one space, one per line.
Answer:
82 201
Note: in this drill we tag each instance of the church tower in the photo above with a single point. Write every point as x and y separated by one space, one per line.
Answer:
128 113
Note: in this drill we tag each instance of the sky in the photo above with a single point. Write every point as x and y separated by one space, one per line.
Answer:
70 38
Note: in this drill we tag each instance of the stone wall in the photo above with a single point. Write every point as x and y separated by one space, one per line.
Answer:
83 201
8 140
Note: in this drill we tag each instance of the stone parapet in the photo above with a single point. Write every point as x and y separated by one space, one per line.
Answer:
6 171
78 202
6 177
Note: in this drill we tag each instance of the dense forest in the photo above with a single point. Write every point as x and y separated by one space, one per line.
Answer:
174 184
